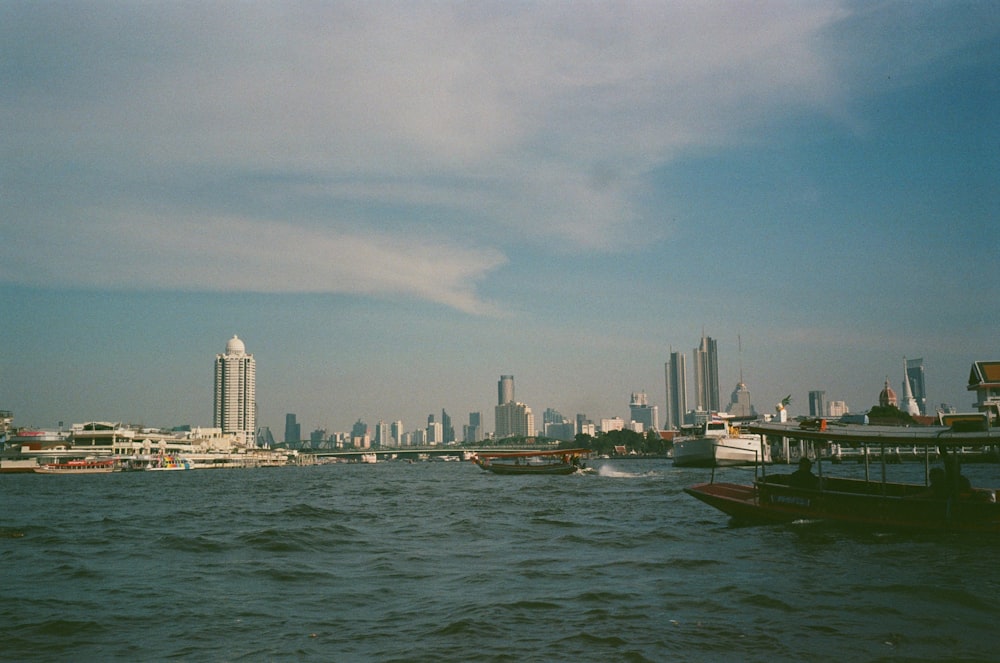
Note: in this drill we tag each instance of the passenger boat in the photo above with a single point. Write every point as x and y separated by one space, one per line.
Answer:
951 504
716 443
169 463
553 461
85 466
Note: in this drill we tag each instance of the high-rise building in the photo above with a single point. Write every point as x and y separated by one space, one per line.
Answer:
447 430
915 373
642 412
293 429
706 375
473 431
510 417
382 434
817 404
739 401
235 409
505 389
397 432
676 375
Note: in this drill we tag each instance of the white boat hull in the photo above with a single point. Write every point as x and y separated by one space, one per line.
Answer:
718 451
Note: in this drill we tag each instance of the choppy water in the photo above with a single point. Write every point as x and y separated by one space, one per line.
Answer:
442 562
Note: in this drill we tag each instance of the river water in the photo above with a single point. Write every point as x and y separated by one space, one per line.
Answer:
442 562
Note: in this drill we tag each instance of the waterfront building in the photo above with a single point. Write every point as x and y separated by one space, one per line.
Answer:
676 378
235 408
641 412
915 374
397 432
706 375
817 404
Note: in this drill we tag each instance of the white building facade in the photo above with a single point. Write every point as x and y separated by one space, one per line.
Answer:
235 409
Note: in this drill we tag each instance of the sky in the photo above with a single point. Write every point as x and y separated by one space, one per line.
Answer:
394 203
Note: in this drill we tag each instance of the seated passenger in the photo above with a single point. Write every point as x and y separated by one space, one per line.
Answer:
938 486
803 477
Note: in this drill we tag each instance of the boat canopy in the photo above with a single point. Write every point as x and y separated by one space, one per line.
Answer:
532 454
951 436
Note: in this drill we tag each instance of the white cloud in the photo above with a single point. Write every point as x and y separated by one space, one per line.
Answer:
520 122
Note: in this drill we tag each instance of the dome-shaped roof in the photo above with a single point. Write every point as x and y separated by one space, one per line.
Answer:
887 396
235 346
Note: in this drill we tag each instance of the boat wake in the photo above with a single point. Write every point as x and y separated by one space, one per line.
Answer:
609 471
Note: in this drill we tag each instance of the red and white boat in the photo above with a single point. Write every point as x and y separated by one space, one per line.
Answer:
83 466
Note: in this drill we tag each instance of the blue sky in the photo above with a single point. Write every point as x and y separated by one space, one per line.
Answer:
395 203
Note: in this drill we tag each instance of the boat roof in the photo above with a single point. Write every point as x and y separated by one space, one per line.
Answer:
892 435
528 454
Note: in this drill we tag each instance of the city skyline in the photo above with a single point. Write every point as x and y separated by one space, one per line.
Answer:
393 205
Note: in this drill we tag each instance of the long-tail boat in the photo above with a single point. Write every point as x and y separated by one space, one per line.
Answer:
950 503
551 461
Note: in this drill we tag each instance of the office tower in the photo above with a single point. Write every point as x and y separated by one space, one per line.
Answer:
473 432
293 429
382 434
817 404
447 430
235 392
915 373
642 412
505 389
397 432
676 370
706 375
511 418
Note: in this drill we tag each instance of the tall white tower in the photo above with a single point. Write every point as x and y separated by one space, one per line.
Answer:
236 391
909 402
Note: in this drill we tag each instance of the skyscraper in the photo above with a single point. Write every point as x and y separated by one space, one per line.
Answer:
505 389
235 392
293 429
706 375
511 418
915 373
817 404
676 370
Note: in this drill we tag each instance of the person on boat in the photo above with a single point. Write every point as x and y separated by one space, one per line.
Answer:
938 486
804 477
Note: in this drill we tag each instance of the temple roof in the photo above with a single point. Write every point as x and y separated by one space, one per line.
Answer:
984 374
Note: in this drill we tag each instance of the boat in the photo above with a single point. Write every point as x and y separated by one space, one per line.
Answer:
716 443
169 463
552 461
949 504
84 466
